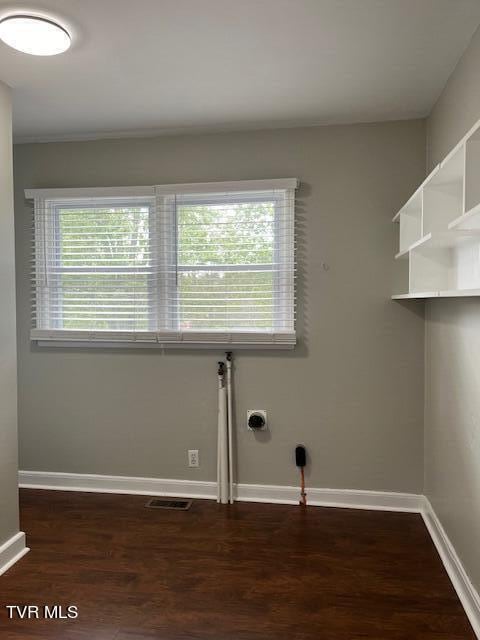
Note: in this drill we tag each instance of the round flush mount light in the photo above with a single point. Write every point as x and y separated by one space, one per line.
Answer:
34 35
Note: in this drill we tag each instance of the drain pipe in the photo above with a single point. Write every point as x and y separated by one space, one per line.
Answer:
222 445
229 358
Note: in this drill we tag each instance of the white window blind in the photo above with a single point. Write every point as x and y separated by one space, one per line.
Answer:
169 265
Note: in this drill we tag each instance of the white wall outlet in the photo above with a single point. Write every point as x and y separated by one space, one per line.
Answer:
257 420
193 459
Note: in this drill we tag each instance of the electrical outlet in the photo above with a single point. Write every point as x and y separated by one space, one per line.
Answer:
193 459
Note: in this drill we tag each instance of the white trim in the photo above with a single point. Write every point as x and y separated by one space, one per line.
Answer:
227 187
342 498
116 484
466 592
212 345
163 189
347 498
11 551
164 339
91 192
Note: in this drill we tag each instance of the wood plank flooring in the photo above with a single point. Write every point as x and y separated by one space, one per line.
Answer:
242 572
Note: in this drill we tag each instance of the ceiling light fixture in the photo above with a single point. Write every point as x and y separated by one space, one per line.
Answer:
34 35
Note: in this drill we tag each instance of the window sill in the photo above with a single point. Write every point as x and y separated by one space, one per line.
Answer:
170 340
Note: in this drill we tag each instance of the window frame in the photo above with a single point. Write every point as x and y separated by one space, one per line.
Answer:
164 329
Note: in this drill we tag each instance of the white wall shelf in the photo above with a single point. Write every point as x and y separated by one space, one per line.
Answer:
439 237
416 296
420 295
442 240
468 220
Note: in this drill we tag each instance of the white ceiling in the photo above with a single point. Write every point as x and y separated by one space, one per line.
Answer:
143 66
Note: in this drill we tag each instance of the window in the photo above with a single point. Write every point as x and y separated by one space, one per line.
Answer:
170 265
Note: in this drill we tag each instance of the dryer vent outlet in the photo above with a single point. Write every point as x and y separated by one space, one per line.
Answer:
257 420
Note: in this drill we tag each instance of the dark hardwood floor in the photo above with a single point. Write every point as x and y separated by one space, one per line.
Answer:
243 572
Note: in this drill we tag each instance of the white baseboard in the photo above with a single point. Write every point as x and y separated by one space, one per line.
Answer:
11 551
116 484
466 592
348 498
343 498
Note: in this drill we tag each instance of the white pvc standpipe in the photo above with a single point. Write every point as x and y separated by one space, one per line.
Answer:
222 452
230 427
219 402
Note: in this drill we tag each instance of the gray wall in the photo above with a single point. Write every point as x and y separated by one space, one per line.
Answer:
8 371
458 108
452 368
352 391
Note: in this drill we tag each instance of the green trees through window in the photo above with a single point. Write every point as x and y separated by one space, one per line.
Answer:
109 272
225 258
